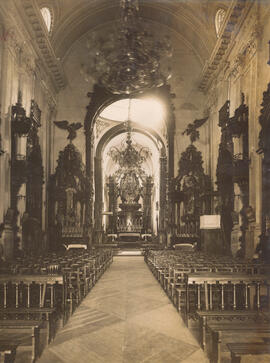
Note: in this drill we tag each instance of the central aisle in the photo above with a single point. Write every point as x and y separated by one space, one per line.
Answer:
126 318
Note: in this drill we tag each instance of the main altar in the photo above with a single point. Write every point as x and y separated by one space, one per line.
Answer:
130 192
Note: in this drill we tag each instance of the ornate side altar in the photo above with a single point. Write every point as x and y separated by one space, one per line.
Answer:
67 193
192 190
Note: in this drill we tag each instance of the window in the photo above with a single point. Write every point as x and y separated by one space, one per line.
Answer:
220 16
47 17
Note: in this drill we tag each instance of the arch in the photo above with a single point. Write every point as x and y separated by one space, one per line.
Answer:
99 172
100 98
119 129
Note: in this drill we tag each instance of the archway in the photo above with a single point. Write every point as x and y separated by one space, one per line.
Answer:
162 141
142 151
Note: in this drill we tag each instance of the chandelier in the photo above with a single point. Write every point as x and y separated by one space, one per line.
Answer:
132 58
129 156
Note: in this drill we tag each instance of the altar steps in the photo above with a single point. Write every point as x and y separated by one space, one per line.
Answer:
129 245
130 252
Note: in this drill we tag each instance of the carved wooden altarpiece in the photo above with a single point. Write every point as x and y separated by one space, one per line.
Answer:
26 176
67 198
192 190
264 149
233 168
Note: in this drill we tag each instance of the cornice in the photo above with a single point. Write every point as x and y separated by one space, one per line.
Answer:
32 18
233 18
246 52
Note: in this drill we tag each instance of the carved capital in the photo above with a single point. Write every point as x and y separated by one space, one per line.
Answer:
237 66
101 125
250 47
212 101
11 40
27 63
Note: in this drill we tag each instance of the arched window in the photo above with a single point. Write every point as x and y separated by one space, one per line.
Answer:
47 17
220 16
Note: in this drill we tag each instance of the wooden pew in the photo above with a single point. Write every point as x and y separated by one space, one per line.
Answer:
240 349
7 351
203 284
23 328
230 332
205 317
39 290
47 315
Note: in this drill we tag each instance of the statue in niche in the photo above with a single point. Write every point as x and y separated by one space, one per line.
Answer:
70 192
32 234
190 185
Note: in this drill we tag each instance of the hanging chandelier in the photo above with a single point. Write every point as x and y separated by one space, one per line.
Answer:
131 59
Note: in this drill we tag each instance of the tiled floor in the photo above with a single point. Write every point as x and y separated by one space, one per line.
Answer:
125 318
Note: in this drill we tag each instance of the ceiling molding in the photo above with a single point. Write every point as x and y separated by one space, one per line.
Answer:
224 42
32 17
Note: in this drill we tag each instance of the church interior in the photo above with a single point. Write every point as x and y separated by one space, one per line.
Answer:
134 150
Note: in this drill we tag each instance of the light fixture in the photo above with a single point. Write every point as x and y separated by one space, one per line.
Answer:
129 156
131 59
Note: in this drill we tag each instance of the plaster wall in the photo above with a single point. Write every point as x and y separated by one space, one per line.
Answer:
21 70
244 70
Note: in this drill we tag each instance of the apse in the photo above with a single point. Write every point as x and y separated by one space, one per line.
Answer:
141 171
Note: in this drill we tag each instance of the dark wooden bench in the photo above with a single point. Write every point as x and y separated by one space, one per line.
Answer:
49 315
232 331
24 328
7 351
200 289
239 349
221 316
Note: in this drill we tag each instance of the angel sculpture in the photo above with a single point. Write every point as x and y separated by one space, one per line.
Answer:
192 129
71 128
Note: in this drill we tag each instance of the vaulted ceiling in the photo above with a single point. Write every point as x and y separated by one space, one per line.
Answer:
189 23
191 20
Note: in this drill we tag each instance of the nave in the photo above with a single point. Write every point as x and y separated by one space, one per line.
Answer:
139 125
126 318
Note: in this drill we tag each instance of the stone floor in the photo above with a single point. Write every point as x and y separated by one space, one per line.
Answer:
126 318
